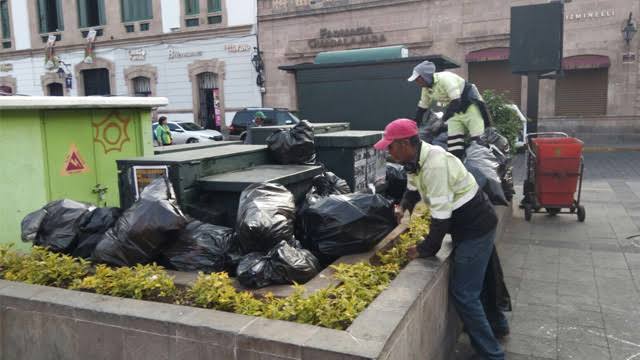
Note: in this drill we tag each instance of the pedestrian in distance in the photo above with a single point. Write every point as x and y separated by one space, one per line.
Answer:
457 207
163 133
466 113
258 121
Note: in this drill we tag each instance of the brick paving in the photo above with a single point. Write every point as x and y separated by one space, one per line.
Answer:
575 286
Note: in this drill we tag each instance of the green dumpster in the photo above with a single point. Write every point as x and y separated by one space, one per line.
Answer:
66 147
160 150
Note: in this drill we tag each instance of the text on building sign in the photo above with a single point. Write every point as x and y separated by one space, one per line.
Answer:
177 54
346 37
590 15
236 48
6 67
137 55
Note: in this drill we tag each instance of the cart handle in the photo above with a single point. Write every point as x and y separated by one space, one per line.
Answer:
542 134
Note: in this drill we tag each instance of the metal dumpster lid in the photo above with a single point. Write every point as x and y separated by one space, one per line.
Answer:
237 181
317 127
161 150
196 155
348 138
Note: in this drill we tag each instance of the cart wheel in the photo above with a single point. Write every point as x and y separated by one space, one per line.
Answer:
553 211
572 209
527 212
581 213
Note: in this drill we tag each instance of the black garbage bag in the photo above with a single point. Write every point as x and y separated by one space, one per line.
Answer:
340 225
329 183
396 182
93 226
500 147
55 226
141 233
284 264
266 215
483 165
201 247
295 146
495 295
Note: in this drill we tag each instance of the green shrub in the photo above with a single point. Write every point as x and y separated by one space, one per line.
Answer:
216 291
504 119
42 267
149 282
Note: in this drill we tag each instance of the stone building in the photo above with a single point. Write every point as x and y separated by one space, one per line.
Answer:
597 98
197 53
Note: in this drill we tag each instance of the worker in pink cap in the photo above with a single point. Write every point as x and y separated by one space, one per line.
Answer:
457 207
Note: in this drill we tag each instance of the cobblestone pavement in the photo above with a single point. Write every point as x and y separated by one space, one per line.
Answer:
575 286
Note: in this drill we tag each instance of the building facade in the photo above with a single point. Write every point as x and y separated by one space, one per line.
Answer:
197 53
601 72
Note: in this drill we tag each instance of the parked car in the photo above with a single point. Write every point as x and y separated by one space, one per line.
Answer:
275 116
189 133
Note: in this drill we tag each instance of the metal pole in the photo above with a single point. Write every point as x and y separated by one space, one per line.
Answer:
533 89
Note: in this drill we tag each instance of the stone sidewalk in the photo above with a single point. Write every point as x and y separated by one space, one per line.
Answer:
575 286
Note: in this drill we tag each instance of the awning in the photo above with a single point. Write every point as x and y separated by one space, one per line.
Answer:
491 54
585 62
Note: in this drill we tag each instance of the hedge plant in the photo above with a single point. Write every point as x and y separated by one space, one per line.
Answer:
505 119
333 307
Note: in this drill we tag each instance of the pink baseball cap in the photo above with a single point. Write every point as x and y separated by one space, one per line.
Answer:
396 130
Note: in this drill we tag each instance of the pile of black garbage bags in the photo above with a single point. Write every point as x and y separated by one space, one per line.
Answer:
273 242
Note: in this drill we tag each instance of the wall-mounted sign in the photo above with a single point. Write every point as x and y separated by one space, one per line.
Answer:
346 37
144 175
237 48
589 15
628 58
73 162
137 55
6 67
179 54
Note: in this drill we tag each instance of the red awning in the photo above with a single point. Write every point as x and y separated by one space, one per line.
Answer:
492 54
585 62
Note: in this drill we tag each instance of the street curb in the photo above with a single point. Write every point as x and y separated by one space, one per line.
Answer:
603 149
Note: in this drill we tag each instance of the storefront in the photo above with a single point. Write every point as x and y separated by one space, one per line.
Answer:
601 77
206 80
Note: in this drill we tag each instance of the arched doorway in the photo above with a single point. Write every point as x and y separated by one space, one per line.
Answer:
55 89
207 85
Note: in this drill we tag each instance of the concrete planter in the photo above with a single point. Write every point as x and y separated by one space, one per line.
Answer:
412 319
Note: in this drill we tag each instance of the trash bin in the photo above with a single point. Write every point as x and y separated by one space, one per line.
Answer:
221 192
160 150
351 156
259 134
184 169
66 147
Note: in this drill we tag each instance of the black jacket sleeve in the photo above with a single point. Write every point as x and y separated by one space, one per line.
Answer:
409 200
432 243
420 115
454 107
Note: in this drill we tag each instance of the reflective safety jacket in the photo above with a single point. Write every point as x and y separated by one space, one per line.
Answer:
457 205
447 86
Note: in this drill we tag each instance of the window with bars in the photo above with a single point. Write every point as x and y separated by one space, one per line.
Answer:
191 7
50 15
91 13
141 86
214 6
55 89
135 10
5 21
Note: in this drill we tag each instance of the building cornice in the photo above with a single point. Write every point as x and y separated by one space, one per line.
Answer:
170 37
330 10
483 38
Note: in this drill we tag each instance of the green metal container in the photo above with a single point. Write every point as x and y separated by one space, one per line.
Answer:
66 147
259 134
184 169
351 156
160 150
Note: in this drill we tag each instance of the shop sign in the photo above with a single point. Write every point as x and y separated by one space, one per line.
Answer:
346 37
237 48
178 54
6 67
137 55
589 15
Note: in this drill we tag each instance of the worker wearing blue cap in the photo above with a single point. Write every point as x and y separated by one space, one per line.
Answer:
466 113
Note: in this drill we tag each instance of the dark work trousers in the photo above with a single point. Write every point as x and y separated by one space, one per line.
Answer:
470 259
495 296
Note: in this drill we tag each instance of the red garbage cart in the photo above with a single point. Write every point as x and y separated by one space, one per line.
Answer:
555 167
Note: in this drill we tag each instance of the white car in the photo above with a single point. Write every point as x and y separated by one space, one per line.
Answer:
189 133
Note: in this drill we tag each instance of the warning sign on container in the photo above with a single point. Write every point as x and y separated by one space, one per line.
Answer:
74 163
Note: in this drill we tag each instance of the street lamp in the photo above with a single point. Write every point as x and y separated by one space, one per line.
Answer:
629 30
